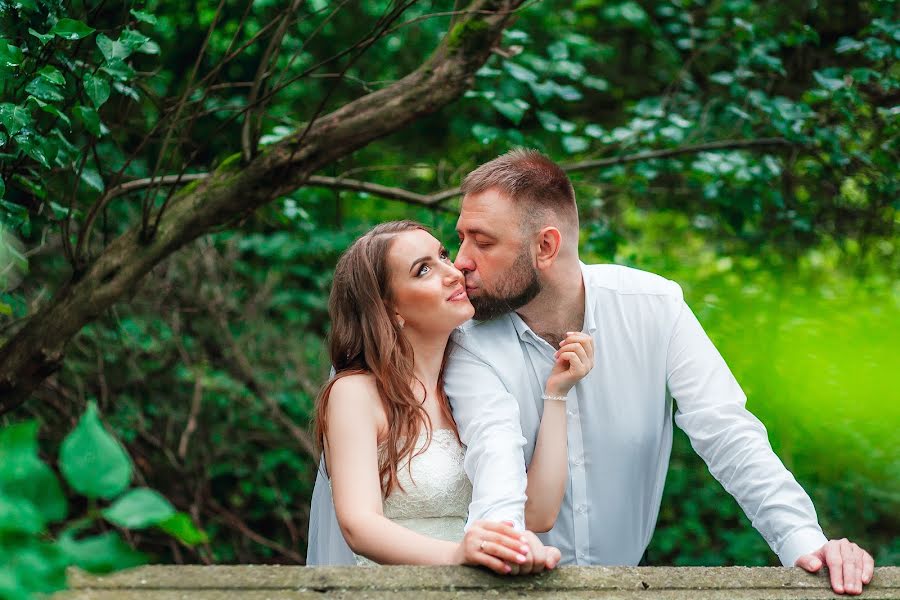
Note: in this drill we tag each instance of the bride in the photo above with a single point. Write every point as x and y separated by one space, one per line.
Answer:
390 445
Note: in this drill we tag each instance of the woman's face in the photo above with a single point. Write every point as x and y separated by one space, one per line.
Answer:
429 293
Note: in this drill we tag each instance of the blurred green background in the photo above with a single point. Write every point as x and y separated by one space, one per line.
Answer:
784 237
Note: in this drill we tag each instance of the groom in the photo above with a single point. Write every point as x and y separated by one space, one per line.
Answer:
518 231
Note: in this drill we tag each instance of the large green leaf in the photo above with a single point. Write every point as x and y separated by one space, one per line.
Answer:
97 89
10 56
100 553
14 118
24 476
92 461
71 29
139 508
89 118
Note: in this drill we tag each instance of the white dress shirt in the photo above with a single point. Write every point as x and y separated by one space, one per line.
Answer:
649 348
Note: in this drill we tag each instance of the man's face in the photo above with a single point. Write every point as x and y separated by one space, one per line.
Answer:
494 255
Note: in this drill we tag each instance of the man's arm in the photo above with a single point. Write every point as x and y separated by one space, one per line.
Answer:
734 444
487 416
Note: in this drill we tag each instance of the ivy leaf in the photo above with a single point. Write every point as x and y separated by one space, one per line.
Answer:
519 72
513 110
14 118
71 29
139 508
42 37
23 476
53 75
119 69
112 49
43 88
92 461
10 56
596 83
53 110
574 143
846 44
138 42
722 78
89 118
551 122
97 89
568 93
100 553
144 17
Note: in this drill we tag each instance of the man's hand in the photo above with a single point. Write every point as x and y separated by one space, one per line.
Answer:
849 565
540 557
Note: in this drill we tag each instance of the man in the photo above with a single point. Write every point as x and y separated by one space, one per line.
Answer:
518 230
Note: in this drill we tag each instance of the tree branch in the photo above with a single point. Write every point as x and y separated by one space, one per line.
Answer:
234 191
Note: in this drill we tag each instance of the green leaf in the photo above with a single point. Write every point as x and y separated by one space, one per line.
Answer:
70 29
144 17
53 110
92 461
181 527
596 83
89 118
722 78
10 56
14 118
575 143
829 83
513 110
519 72
551 122
41 149
558 50
52 74
119 69
97 89
42 37
43 88
846 44
139 508
138 42
17 516
23 476
112 49
568 93
100 553
92 178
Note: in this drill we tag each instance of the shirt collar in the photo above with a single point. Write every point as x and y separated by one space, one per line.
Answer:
590 322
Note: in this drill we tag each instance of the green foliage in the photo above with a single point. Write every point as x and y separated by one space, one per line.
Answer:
787 251
33 509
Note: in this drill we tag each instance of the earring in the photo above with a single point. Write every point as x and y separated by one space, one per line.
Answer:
400 323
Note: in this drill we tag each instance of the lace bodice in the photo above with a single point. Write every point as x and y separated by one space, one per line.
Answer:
436 491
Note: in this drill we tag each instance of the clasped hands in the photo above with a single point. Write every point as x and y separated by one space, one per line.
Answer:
504 550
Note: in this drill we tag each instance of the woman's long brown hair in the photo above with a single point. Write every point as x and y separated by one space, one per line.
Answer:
365 338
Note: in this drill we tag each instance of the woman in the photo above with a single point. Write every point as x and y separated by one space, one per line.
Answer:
391 446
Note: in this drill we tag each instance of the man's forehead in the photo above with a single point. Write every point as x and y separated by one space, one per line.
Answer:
488 212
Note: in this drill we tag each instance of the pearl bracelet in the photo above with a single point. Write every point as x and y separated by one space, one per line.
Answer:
556 398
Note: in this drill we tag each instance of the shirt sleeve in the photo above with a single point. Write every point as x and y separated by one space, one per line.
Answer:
734 443
487 416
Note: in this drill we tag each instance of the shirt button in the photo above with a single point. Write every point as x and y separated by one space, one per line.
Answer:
571 412
581 509
582 556
577 462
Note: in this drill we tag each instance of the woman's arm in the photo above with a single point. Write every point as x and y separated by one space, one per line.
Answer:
354 413
548 471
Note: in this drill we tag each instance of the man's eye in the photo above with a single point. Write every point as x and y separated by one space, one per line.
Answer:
445 255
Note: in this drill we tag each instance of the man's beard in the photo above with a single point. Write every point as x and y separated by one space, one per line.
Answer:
519 287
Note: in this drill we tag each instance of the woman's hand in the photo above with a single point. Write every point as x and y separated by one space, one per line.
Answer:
492 545
574 360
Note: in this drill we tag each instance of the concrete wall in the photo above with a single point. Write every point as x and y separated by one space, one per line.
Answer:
162 582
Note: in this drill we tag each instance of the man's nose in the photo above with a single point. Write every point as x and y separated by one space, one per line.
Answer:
463 262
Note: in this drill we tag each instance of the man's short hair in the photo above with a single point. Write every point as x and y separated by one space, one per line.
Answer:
533 182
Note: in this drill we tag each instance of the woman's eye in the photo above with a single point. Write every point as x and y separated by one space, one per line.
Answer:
422 270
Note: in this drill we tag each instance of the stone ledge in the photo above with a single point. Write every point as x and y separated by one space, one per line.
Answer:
164 582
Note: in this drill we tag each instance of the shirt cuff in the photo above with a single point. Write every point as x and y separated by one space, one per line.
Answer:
803 541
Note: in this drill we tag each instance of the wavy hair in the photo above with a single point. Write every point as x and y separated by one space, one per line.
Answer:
365 338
